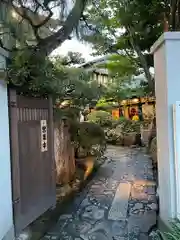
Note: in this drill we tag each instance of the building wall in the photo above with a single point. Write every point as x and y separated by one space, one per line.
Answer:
101 78
6 216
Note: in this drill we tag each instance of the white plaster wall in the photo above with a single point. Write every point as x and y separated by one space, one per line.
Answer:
166 60
173 85
6 216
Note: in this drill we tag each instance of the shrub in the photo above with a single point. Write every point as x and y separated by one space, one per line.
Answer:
173 234
117 122
114 136
123 132
129 126
103 118
70 113
89 138
122 118
106 106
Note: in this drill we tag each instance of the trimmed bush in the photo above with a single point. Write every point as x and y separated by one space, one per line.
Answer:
123 132
88 139
106 105
103 118
129 126
118 132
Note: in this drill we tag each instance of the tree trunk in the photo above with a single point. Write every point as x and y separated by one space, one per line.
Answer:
142 60
173 14
64 154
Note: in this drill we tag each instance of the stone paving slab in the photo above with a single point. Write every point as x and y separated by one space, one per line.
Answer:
119 206
142 222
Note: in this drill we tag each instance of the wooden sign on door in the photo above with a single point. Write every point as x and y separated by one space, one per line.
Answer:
44 144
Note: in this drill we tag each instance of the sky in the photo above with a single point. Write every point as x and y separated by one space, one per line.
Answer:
75 46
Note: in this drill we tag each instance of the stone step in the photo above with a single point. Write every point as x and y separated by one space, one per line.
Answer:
119 207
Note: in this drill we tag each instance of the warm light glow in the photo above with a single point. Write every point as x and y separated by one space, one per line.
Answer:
123 102
65 103
135 100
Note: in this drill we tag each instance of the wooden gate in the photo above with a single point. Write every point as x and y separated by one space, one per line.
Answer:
32 156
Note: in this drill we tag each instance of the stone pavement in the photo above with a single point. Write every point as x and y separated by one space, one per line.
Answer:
118 204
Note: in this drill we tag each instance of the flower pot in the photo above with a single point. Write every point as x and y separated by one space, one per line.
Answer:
129 139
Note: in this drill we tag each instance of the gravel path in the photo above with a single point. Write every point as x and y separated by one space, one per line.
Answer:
119 203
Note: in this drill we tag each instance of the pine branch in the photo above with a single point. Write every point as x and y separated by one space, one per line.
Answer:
50 43
47 44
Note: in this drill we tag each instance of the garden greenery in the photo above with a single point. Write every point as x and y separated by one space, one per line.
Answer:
103 118
117 131
173 234
32 74
89 137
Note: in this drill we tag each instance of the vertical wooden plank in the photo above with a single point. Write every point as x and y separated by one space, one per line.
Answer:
51 147
33 192
14 143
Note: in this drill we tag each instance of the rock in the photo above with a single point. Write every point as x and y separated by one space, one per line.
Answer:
143 222
118 228
65 217
119 238
150 190
153 206
65 190
133 234
134 212
143 236
25 235
99 214
138 194
152 198
85 202
138 206
97 236
93 212
81 153
144 183
83 227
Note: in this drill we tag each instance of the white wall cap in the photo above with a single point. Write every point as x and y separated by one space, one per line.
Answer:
164 37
